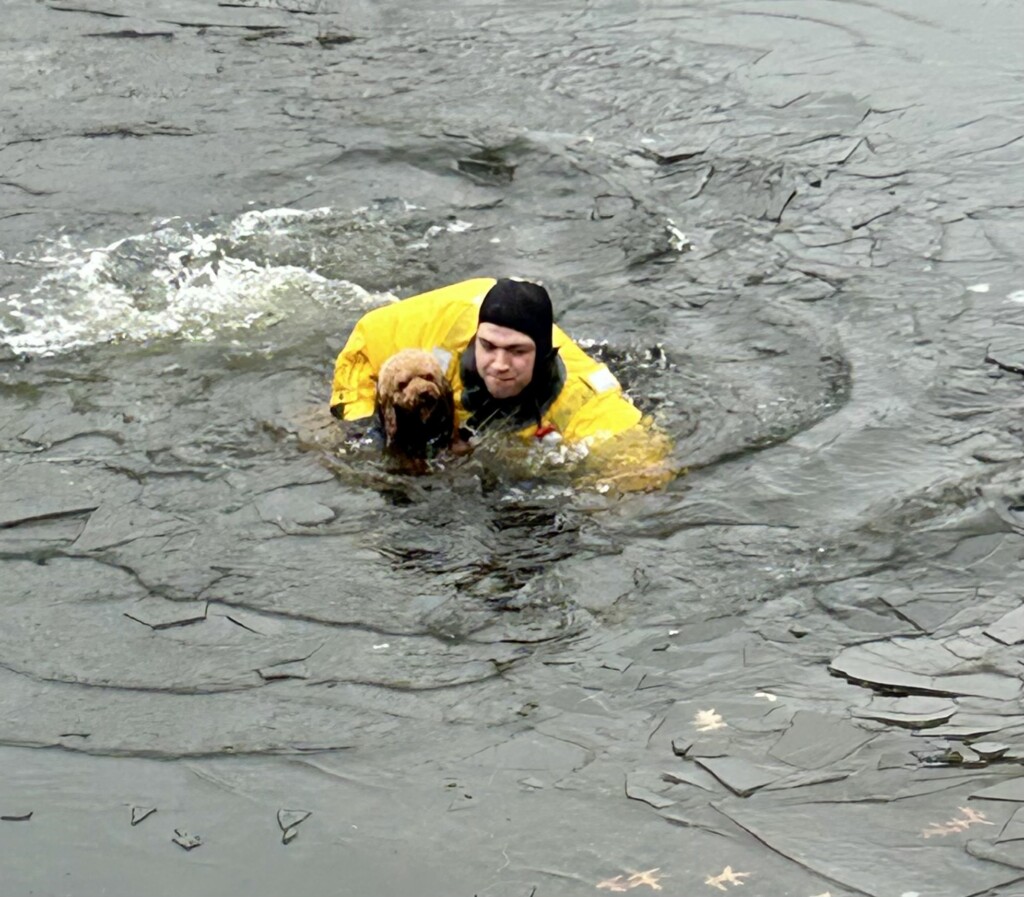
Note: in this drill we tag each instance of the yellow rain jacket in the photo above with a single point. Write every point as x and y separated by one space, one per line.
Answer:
590 407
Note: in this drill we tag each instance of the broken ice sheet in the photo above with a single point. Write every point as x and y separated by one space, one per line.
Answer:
971 725
1014 828
876 847
287 819
927 614
921 666
1011 789
288 669
295 506
739 775
115 524
645 786
693 775
707 746
814 740
184 839
140 813
289 822
990 750
804 779
162 613
913 712
1008 629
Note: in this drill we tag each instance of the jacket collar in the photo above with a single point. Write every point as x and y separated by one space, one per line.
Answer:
529 407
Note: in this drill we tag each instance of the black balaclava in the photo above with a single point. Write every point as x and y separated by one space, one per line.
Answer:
526 308
523 306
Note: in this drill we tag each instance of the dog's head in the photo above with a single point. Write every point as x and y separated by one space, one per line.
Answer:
415 405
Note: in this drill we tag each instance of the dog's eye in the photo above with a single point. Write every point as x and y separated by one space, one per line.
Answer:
402 384
428 377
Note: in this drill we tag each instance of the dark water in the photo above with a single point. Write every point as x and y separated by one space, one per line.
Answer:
794 230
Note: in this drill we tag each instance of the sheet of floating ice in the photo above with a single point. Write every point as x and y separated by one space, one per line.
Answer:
707 746
1009 853
186 840
646 795
116 524
531 751
990 750
896 760
691 775
920 665
39 491
971 725
287 819
806 779
927 613
913 712
289 669
815 740
292 506
738 775
878 847
1014 828
140 813
1011 789
1008 629
161 613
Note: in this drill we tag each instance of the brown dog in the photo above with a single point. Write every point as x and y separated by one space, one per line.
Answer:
415 408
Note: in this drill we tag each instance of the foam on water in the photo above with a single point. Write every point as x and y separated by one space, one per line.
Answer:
180 281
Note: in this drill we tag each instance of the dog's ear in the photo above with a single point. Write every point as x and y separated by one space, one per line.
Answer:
388 419
448 401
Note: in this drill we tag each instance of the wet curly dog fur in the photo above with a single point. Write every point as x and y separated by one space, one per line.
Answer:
415 408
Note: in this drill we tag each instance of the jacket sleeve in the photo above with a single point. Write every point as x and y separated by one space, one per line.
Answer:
626 451
639 459
353 391
443 319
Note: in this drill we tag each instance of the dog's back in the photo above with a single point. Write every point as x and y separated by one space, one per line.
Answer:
415 407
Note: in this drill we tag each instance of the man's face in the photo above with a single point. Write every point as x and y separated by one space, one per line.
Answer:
504 358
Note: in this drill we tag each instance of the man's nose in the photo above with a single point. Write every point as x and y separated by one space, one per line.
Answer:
501 359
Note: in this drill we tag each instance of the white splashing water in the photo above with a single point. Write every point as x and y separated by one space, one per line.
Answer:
173 282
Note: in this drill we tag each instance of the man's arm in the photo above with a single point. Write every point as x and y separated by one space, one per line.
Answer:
626 451
428 321
353 391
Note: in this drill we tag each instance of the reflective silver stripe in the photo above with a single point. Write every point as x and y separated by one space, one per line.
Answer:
602 380
443 357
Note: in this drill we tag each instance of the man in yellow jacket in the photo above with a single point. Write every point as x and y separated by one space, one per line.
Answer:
510 369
